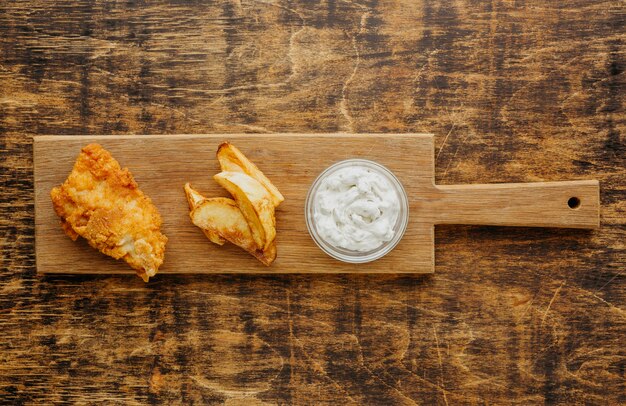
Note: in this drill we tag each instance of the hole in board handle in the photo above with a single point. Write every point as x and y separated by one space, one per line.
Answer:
573 202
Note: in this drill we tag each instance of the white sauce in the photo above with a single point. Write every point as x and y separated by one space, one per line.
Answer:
356 208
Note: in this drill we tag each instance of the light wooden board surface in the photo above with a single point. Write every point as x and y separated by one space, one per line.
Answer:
161 165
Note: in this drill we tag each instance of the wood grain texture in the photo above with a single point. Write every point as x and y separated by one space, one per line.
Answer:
573 204
513 91
161 164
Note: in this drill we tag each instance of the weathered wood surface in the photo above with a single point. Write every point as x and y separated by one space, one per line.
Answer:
514 91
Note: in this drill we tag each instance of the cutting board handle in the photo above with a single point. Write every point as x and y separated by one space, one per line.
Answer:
574 204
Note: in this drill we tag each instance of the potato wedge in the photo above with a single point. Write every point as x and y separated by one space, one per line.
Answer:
233 160
255 203
222 216
194 198
268 256
214 237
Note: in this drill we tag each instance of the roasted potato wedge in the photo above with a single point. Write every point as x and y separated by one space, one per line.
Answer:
222 216
248 221
214 237
269 255
255 203
194 198
233 160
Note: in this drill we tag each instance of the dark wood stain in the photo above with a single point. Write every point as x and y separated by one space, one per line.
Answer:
513 93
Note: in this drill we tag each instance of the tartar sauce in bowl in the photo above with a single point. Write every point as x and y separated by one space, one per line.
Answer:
356 211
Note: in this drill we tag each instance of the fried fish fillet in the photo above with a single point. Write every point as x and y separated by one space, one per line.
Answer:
102 203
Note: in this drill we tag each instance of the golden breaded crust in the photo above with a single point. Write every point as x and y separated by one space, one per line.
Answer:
102 203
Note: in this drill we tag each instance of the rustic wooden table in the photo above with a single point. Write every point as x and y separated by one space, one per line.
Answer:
514 93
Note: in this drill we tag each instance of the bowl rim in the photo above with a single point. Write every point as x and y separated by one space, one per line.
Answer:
350 256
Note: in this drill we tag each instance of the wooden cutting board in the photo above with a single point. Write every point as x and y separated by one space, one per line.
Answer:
162 164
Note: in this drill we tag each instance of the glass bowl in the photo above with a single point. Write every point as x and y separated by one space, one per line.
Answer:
351 256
